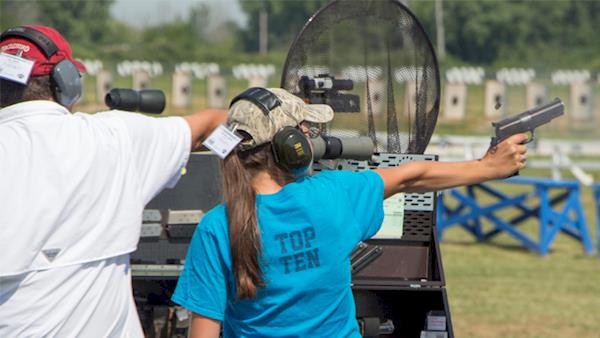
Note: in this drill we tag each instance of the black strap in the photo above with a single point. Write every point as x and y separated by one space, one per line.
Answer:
42 41
261 97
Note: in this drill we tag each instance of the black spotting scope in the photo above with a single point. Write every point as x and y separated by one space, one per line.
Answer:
150 101
356 148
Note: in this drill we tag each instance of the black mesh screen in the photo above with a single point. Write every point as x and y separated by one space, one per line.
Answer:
382 48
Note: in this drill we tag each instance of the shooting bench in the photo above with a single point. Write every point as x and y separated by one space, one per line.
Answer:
558 209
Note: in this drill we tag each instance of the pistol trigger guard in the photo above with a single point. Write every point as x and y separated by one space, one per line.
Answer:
530 139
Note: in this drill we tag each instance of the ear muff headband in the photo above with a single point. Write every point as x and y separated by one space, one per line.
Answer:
64 77
261 97
42 41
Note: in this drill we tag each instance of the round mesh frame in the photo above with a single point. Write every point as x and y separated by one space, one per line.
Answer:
383 49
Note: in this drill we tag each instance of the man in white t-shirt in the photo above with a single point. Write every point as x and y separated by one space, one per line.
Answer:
72 191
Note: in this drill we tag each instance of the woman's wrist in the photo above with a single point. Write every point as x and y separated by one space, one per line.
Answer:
486 170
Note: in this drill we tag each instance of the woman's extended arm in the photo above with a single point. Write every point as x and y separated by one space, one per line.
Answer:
204 327
420 176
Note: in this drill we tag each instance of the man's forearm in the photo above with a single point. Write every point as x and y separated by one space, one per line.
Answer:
202 123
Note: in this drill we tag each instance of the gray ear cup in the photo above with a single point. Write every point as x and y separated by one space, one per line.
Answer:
66 82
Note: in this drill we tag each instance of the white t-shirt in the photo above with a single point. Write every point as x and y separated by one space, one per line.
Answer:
72 191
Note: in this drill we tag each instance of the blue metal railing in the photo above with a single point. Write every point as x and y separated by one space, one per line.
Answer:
596 191
558 210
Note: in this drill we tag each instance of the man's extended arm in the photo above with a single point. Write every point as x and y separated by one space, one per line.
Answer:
203 122
421 176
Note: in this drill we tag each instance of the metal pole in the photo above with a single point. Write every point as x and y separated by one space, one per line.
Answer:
263 32
439 23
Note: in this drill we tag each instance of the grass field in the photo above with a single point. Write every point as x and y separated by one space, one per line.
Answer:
496 289
499 289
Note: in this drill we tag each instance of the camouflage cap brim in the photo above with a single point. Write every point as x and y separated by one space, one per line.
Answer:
318 113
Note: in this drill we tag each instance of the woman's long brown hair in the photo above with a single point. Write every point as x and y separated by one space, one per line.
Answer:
238 169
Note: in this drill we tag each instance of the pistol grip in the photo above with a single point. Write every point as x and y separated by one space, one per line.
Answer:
494 142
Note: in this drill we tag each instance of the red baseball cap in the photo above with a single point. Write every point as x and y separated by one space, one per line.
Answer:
12 44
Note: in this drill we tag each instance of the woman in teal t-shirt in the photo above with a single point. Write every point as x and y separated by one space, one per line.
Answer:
273 260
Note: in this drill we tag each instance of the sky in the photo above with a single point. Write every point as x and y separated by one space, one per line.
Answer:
142 13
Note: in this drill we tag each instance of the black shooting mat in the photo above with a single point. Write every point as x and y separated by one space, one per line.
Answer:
383 49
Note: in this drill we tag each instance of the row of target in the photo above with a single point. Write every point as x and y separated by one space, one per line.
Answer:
516 76
466 75
580 102
198 70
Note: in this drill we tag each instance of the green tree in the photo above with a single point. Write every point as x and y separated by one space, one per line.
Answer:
82 21
285 20
14 13
516 31
168 43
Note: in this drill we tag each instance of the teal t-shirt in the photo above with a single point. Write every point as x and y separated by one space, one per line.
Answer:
308 230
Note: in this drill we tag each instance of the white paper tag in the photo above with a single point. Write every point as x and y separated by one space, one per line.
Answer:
222 141
393 221
15 68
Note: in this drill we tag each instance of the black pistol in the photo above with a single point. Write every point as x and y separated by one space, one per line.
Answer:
527 121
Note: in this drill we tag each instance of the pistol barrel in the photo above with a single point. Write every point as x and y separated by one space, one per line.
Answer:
529 120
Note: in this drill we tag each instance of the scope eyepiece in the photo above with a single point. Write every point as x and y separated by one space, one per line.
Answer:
151 101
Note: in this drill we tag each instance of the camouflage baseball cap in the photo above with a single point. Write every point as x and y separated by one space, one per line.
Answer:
250 118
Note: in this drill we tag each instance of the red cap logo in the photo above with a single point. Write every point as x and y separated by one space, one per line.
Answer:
43 64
